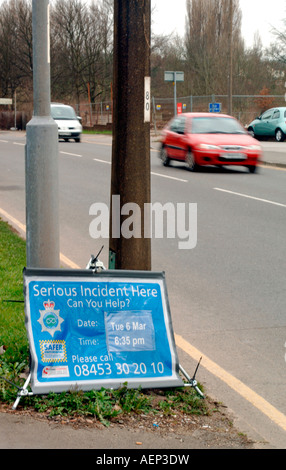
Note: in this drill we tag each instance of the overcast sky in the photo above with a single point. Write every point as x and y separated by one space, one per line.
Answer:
257 15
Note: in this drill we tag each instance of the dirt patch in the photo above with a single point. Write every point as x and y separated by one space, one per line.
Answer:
214 430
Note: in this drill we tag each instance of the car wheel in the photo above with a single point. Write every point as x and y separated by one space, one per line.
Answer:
279 135
251 132
164 156
77 139
191 162
252 168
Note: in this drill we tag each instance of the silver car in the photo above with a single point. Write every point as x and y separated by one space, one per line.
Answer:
69 126
272 123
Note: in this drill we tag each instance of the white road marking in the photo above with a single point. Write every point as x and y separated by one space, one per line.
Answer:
101 161
250 197
72 154
152 173
97 143
169 177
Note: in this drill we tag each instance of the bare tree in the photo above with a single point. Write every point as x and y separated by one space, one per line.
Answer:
69 24
277 50
81 48
99 49
8 78
207 42
82 52
16 50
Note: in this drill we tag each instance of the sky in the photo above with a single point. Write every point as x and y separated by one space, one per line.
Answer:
257 15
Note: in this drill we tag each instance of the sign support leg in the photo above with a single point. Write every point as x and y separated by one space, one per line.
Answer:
192 381
23 392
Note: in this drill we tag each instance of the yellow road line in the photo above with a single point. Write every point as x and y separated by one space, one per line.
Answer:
13 220
68 262
239 387
272 166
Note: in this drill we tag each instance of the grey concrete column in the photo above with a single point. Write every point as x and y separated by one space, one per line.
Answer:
42 185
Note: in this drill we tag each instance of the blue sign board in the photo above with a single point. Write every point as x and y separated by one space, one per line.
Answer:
214 107
90 330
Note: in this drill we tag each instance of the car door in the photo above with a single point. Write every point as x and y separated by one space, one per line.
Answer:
171 137
263 126
176 138
274 122
181 138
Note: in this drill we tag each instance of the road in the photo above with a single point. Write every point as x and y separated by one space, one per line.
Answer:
227 295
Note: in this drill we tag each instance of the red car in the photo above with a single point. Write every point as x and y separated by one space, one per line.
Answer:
208 139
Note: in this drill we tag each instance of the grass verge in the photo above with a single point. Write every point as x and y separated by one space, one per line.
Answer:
104 404
94 131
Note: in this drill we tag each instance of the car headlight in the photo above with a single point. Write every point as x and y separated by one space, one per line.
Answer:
253 147
208 147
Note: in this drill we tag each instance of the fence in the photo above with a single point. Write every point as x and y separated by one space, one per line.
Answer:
95 114
244 107
8 120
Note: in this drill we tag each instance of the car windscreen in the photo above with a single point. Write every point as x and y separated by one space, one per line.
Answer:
216 125
63 112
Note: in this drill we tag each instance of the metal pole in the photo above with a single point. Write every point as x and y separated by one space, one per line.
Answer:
15 111
130 174
42 191
230 72
175 93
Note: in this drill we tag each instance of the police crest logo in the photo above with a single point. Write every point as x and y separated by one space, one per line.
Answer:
50 319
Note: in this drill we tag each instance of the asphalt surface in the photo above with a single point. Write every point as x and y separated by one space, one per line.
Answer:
22 431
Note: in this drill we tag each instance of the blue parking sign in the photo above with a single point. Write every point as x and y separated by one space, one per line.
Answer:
214 107
91 330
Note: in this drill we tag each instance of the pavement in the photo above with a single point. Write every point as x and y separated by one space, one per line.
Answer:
274 154
21 430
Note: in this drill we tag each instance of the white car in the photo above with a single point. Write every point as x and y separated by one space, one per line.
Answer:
68 122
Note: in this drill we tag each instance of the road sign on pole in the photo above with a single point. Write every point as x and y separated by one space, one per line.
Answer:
174 77
6 101
179 108
214 107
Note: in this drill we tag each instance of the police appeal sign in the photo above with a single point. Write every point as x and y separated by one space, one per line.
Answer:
89 330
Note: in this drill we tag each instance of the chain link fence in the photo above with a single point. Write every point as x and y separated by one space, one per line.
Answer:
95 114
244 107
